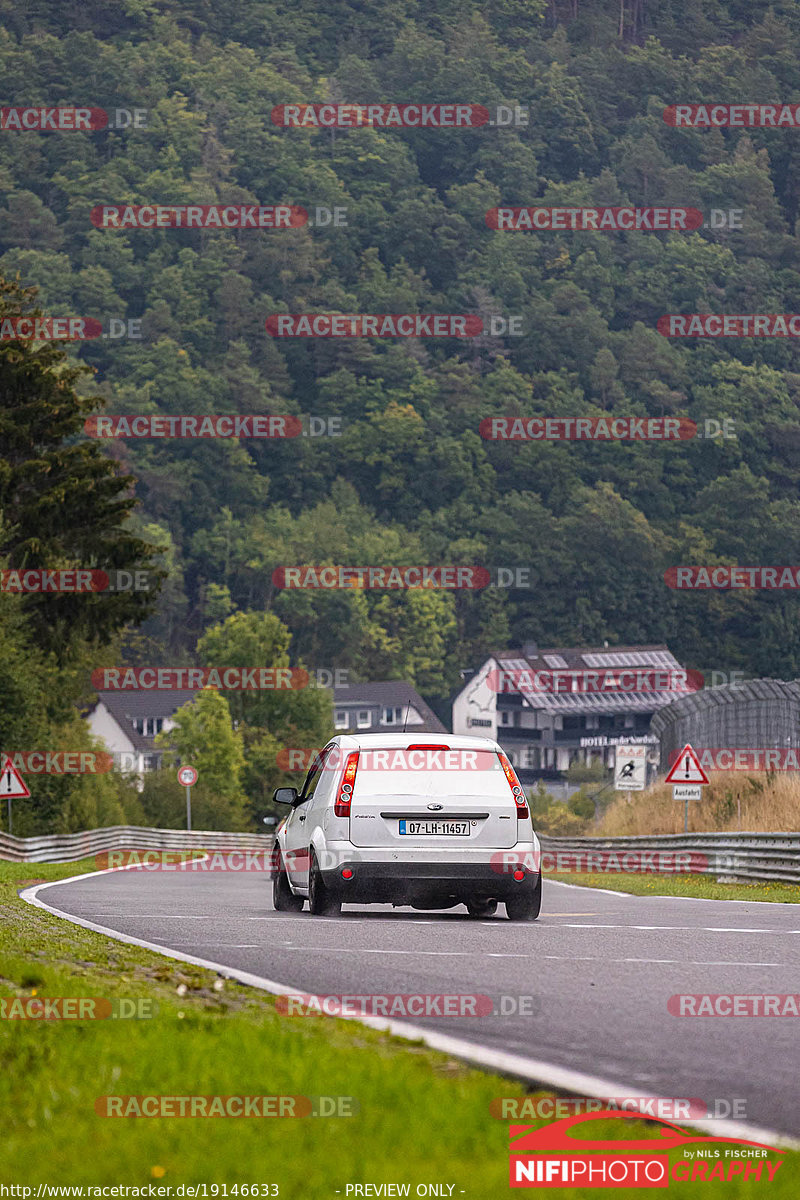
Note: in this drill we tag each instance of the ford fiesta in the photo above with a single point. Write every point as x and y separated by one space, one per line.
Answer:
429 821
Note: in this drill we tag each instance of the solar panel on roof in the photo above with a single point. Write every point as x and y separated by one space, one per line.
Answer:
555 660
628 658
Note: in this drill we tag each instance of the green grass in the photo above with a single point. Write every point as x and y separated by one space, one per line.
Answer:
423 1117
701 886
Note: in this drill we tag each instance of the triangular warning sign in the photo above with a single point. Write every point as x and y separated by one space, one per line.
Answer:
12 784
687 768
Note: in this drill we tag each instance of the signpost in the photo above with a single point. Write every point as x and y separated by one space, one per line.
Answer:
188 777
630 768
12 784
687 778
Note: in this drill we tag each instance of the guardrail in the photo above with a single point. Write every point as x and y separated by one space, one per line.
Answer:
726 856
70 847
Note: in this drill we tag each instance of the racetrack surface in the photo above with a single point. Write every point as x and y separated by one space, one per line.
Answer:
600 966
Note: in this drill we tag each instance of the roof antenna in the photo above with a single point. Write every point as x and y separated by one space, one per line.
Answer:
405 722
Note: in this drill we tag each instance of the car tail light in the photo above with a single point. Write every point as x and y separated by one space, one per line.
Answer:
347 873
345 794
516 789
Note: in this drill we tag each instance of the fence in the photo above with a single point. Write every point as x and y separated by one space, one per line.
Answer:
70 847
729 856
725 856
755 714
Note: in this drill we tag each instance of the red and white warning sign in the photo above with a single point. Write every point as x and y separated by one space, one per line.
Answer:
12 785
687 768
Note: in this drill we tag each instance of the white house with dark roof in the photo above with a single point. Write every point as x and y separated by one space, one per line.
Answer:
543 730
127 724
383 707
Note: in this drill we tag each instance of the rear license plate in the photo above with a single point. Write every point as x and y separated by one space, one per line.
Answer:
435 828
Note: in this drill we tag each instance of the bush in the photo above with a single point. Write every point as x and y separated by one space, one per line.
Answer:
558 821
581 805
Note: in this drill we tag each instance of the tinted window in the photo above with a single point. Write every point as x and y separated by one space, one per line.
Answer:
314 775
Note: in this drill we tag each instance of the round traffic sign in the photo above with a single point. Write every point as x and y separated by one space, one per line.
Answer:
187 776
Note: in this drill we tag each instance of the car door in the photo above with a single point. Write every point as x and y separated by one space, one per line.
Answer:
299 825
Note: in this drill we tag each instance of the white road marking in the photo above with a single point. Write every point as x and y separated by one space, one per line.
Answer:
672 961
229 945
351 950
494 954
689 928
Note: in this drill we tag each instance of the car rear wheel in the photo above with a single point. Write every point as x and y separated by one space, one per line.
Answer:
283 898
321 901
527 904
481 908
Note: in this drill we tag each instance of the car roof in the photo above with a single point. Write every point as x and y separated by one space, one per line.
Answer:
391 741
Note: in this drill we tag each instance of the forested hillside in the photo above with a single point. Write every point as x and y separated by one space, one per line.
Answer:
410 479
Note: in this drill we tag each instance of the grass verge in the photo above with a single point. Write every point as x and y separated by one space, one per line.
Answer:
700 886
422 1117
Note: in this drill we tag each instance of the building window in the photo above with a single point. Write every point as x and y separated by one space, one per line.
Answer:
340 720
363 718
159 724
392 716
505 718
151 727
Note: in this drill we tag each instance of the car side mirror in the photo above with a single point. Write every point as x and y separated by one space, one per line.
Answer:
285 795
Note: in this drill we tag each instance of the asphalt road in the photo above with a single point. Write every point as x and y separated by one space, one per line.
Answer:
601 968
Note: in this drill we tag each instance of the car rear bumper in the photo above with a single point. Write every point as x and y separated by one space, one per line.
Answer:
403 882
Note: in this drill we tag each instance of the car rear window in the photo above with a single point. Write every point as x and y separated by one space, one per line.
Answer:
401 772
